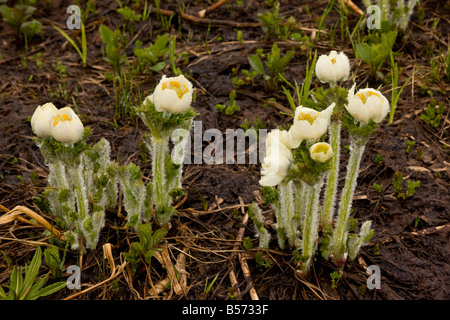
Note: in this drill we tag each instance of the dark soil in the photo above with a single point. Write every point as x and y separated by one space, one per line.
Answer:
411 241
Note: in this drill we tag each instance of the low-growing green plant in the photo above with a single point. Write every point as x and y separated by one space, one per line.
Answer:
149 57
375 50
114 44
261 263
433 113
130 17
53 261
231 108
247 78
60 93
378 159
25 286
397 182
275 64
147 245
409 144
378 187
18 17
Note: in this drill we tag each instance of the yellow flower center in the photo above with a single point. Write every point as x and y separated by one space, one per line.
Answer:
58 118
321 148
180 90
366 95
333 61
307 117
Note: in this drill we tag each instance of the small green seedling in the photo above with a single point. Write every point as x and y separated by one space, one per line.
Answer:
378 159
411 187
275 65
433 113
376 51
232 108
130 17
335 277
113 41
148 57
378 187
147 245
261 263
409 144
247 243
18 18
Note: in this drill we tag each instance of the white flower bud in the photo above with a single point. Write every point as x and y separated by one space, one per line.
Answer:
333 67
321 152
66 127
367 104
172 94
40 121
278 158
309 124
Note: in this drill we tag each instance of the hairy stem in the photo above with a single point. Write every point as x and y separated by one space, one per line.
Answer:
333 175
310 225
340 233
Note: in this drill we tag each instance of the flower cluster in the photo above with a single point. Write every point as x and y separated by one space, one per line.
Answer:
298 160
63 125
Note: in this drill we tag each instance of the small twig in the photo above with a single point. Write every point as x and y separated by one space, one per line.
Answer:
352 6
213 22
212 7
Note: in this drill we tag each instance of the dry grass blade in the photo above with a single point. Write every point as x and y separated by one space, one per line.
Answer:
15 214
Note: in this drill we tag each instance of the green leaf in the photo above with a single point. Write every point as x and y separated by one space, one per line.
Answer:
158 67
256 64
49 290
105 34
31 273
52 260
31 28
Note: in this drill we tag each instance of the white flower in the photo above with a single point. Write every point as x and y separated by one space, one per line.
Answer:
66 126
333 67
278 158
40 121
172 94
367 104
279 136
321 152
309 124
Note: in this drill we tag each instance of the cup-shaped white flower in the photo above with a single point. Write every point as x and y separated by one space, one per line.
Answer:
40 121
309 124
321 152
278 158
66 126
279 137
367 104
173 94
333 67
